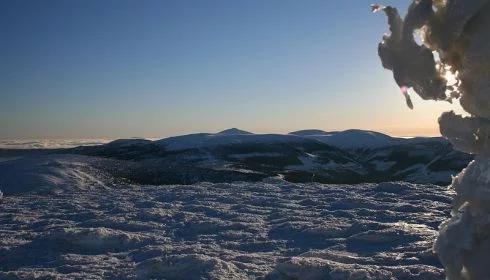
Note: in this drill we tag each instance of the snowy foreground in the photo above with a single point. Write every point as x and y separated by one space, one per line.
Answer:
271 229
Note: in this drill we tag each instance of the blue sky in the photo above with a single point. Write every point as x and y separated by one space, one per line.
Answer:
124 68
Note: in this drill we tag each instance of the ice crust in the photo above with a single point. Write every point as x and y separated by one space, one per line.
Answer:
458 31
265 230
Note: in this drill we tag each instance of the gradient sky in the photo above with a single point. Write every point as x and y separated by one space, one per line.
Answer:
124 68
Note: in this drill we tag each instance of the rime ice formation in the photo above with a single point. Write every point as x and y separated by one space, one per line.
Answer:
458 31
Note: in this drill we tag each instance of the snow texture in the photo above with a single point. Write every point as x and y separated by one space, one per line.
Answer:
100 229
457 30
50 173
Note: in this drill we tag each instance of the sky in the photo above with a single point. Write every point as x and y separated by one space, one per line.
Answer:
128 68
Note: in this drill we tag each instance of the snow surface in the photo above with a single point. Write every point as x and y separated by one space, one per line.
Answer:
98 229
352 138
49 173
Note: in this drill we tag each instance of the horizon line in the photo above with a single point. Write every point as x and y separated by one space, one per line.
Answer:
55 138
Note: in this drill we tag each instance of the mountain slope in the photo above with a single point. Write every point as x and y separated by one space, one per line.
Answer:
351 156
206 140
349 139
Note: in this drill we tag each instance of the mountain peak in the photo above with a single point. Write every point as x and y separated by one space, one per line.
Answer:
233 131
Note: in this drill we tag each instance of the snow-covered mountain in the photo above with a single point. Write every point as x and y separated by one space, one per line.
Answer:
351 156
350 139
100 211
224 138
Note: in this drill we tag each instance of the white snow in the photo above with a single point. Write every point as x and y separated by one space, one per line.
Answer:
351 139
49 173
310 163
348 139
266 230
193 266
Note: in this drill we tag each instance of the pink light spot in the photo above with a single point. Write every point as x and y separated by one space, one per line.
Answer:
404 90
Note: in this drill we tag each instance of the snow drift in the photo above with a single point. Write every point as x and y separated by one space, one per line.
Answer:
48 173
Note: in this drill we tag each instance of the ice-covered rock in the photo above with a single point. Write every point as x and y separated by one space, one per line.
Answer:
457 30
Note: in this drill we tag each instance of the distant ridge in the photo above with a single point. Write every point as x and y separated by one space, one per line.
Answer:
347 139
351 138
308 132
351 156
233 131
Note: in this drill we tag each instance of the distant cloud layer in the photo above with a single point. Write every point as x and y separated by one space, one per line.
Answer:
49 143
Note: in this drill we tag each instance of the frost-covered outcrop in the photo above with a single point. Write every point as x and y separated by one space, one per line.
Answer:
458 31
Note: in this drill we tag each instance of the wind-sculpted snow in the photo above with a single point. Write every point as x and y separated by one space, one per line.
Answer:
264 230
46 173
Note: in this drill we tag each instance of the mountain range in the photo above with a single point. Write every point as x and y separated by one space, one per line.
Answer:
351 156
